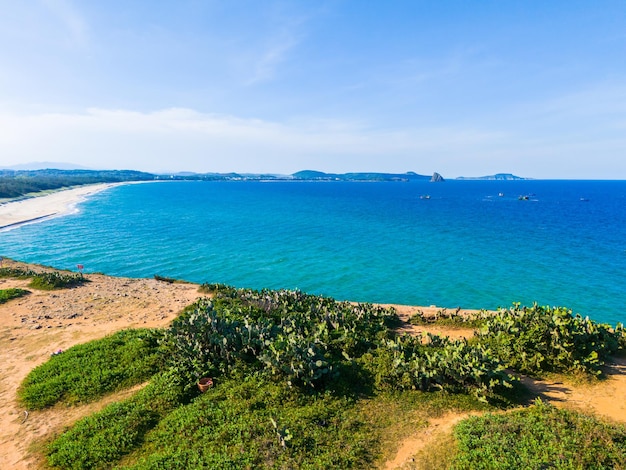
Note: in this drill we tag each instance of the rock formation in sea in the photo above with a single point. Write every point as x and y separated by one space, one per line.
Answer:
436 178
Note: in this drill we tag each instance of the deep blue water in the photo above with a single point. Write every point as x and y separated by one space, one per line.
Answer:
376 242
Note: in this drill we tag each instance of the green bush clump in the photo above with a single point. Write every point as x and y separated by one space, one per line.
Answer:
15 273
44 280
56 280
409 363
85 372
451 318
540 436
549 339
298 336
8 294
310 340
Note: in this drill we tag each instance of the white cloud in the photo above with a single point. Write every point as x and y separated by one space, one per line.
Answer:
578 135
183 139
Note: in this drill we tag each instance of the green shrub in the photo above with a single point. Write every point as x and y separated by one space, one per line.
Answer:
451 318
300 337
85 372
56 280
538 339
540 436
15 273
48 280
8 294
409 363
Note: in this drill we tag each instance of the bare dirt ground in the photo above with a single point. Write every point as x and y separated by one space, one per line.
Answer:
34 326
605 398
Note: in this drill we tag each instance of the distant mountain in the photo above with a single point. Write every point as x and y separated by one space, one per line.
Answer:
312 175
17 182
496 177
45 166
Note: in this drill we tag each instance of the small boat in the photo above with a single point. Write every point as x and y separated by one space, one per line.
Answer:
425 196
523 198
500 194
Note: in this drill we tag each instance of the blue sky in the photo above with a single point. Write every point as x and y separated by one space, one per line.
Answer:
534 88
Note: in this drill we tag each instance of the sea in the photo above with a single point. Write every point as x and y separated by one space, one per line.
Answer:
459 243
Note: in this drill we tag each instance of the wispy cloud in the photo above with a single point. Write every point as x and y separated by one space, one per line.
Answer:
286 31
272 57
70 18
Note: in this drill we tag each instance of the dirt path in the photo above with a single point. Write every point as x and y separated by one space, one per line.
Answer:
34 326
421 440
605 398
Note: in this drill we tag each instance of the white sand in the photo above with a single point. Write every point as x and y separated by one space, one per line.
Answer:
35 209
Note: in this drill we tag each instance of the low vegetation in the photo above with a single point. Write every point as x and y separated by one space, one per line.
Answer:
8 294
88 371
19 183
451 318
302 381
46 280
538 339
540 436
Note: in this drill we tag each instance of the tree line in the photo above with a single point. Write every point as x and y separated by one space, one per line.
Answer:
15 184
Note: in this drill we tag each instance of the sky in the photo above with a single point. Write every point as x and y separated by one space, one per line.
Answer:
536 88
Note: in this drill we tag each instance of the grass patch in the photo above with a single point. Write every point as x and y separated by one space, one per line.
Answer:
106 436
540 436
8 294
48 280
439 454
247 422
300 382
86 372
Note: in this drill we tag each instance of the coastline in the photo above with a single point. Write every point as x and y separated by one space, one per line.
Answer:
36 325
16 213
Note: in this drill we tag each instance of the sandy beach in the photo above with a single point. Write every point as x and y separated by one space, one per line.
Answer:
37 208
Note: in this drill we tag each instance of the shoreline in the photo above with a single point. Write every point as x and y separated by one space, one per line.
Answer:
14 214
36 325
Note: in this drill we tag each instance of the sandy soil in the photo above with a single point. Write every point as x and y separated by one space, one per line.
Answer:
604 398
35 209
414 444
33 327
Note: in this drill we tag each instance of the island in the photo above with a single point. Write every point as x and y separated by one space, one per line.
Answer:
496 177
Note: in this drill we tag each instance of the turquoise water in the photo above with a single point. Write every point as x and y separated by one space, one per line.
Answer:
375 242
